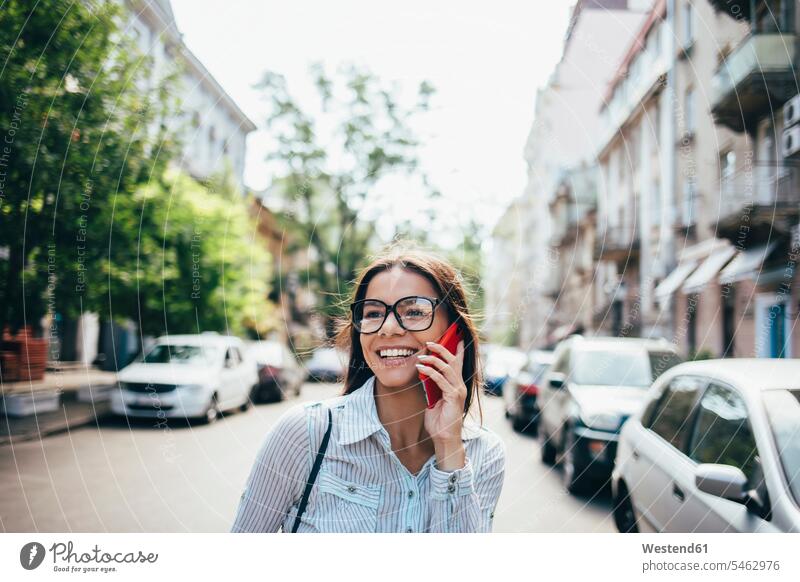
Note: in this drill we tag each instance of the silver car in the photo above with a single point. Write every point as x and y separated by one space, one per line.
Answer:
716 448
593 386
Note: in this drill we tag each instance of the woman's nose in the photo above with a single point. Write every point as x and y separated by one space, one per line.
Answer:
395 325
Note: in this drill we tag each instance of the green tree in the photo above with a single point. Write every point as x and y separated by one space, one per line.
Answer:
77 133
468 259
326 182
198 265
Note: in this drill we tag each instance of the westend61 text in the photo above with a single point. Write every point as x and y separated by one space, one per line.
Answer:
673 549
96 555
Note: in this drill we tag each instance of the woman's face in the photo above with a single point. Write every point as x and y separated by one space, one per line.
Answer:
389 286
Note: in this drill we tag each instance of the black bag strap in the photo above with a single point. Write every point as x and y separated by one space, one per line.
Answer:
314 470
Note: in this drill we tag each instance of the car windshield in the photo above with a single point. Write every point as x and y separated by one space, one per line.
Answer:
180 354
660 362
327 356
783 410
502 361
267 353
612 368
537 371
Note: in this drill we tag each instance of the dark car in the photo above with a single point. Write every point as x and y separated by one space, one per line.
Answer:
521 392
591 389
279 373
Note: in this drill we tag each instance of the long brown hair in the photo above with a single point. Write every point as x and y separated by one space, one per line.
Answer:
449 287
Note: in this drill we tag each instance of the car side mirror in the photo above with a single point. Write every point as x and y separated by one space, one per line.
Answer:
723 481
557 380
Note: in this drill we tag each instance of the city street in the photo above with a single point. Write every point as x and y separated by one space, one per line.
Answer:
189 479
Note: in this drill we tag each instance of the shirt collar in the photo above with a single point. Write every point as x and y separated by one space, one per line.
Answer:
359 417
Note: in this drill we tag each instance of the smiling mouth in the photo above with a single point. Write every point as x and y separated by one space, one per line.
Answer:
392 357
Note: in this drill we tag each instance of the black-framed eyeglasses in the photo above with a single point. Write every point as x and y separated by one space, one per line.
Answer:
413 313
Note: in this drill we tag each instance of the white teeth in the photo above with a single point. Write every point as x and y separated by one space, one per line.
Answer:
395 353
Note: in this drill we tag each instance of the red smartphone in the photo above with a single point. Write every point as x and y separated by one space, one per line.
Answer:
450 341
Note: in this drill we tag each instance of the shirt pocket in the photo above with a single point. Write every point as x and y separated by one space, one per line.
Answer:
346 506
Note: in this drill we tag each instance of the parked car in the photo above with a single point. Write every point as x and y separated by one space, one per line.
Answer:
191 376
591 389
499 363
715 449
326 365
521 391
279 372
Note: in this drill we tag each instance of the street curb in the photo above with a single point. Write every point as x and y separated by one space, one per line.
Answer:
56 427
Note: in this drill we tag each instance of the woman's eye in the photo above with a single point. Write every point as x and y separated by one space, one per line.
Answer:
373 314
414 313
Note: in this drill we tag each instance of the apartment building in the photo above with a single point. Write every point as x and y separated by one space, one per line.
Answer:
754 94
562 137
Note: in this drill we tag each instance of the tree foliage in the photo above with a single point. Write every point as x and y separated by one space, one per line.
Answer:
326 182
76 134
91 217
196 263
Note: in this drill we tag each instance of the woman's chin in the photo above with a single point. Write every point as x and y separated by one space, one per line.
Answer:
397 377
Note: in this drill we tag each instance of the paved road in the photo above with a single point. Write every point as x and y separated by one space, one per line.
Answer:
118 478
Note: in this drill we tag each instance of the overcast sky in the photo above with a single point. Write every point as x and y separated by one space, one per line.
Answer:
485 60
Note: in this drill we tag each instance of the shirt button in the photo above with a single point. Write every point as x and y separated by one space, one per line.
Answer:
410 494
453 478
451 488
409 530
351 489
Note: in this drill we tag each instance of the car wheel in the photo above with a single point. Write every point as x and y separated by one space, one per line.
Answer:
624 514
518 424
246 404
212 412
574 481
548 450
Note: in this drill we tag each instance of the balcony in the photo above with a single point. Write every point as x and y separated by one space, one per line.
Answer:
619 243
755 79
757 204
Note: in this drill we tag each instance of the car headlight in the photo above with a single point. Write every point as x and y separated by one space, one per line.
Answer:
601 420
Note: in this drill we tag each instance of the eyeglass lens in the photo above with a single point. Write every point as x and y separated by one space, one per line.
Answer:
416 313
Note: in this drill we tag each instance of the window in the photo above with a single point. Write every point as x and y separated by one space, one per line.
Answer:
688 111
561 366
722 433
728 164
692 303
232 358
783 410
671 418
689 207
688 25
773 17
612 368
728 320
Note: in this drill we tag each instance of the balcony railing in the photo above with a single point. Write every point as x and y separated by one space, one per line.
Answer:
617 243
756 77
755 199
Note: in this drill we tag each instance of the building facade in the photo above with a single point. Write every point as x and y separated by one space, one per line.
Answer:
689 201
563 137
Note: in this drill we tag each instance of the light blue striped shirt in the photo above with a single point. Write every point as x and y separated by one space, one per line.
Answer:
362 486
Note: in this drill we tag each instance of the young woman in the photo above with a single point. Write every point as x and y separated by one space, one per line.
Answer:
391 464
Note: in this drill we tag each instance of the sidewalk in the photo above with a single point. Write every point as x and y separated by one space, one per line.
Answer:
82 398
